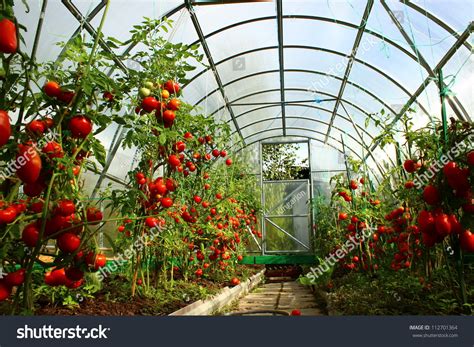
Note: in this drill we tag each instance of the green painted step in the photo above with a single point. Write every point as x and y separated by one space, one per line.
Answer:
280 259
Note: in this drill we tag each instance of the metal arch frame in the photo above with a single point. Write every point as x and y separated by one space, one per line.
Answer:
210 59
299 105
281 58
352 58
361 143
302 90
436 20
304 137
377 70
459 42
462 114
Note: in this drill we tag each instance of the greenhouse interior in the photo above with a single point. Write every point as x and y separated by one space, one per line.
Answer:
236 158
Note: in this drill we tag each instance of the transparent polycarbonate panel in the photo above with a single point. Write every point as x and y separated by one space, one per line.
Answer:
348 11
308 112
346 126
431 40
260 97
359 118
200 87
252 85
286 139
122 162
212 103
107 136
250 154
318 34
309 98
459 76
58 26
378 85
243 38
321 183
325 158
286 198
122 16
248 64
389 60
315 60
350 143
223 116
432 103
265 135
456 13
216 17
256 114
315 84
262 126
365 102
303 132
277 240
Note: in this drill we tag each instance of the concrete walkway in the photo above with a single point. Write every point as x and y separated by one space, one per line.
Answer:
285 296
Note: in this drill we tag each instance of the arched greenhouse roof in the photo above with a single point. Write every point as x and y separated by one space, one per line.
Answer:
320 70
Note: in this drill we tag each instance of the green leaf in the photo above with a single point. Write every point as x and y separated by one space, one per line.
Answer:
99 152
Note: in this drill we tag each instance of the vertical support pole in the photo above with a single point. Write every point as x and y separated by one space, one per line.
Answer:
347 170
262 199
457 250
311 202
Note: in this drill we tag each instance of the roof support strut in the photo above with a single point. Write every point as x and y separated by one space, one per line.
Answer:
205 47
459 42
462 115
279 10
360 33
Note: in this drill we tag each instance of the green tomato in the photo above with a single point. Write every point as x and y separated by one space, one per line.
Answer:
2 72
145 92
148 85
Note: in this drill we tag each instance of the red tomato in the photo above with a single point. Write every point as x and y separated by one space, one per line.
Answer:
442 224
362 180
235 281
179 146
353 185
7 215
174 104
52 89
66 207
409 184
80 126
431 195
151 222
198 272
30 234
53 150
174 160
426 221
66 96
5 128
197 199
5 290
342 216
411 165
456 227
14 279
94 215
166 202
149 104
296 313
74 274
223 153
467 241
30 164
68 242
450 168
172 87
188 135
33 189
228 162
8 39
36 127
215 152
169 116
